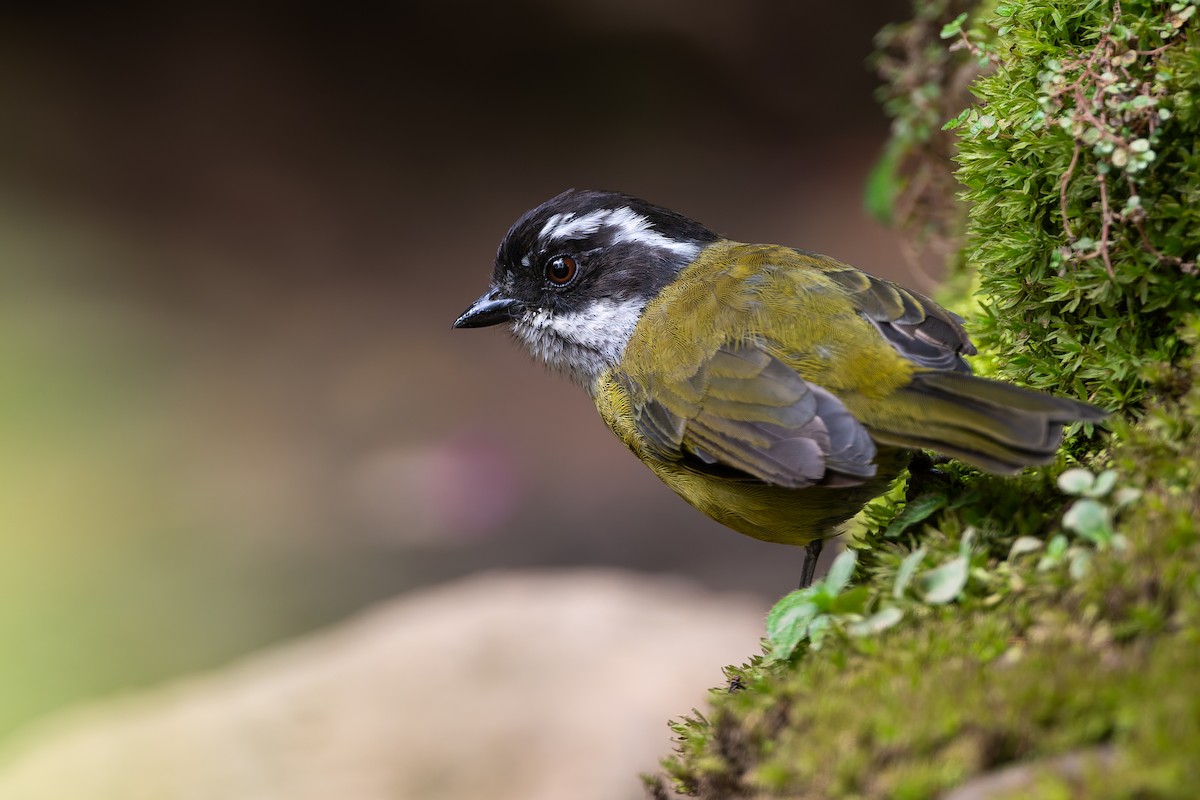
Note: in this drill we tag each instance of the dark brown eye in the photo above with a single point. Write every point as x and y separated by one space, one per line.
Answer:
561 270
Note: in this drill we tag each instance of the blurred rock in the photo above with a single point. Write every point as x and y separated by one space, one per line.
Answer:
507 685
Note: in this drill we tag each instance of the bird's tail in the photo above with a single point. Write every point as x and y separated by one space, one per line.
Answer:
995 426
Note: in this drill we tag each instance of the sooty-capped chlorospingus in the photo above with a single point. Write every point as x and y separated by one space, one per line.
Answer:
776 390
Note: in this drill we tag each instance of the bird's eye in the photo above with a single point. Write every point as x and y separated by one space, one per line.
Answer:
561 270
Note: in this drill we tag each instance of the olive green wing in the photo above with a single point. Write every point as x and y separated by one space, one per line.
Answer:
744 413
917 327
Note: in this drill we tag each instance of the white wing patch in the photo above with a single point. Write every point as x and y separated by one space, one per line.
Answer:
627 225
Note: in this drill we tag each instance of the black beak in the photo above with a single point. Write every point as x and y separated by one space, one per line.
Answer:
491 309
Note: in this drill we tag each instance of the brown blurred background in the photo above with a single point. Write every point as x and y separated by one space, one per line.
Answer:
233 238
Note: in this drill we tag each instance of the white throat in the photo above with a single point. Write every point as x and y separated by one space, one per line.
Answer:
581 343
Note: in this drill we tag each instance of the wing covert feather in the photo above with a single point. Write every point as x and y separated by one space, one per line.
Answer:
918 328
744 409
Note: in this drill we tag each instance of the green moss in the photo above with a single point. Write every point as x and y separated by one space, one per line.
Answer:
1027 665
1067 651
1084 291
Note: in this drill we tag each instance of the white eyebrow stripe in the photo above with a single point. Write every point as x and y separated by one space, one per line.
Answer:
564 226
633 227
627 225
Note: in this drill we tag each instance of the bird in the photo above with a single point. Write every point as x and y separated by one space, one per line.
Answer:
775 389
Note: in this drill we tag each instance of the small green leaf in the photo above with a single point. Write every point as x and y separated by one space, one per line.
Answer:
878 622
1023 545
1126 495
944 584
1081 562
1056 548
840 572
1090 519
817 631
853 601
1103 485
916 510
1076 481
908 568
958 120
954 27
788 623
968 540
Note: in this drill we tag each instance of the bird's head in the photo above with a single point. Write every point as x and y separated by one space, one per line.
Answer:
573 275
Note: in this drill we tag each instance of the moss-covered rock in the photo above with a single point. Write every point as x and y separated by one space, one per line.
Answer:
1037 636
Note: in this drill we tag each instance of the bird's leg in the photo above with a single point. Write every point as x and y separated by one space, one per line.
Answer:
812 551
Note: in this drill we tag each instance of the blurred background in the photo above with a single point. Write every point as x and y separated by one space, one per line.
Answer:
233 237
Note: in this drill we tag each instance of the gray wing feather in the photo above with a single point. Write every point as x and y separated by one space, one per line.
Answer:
745 410
919 329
